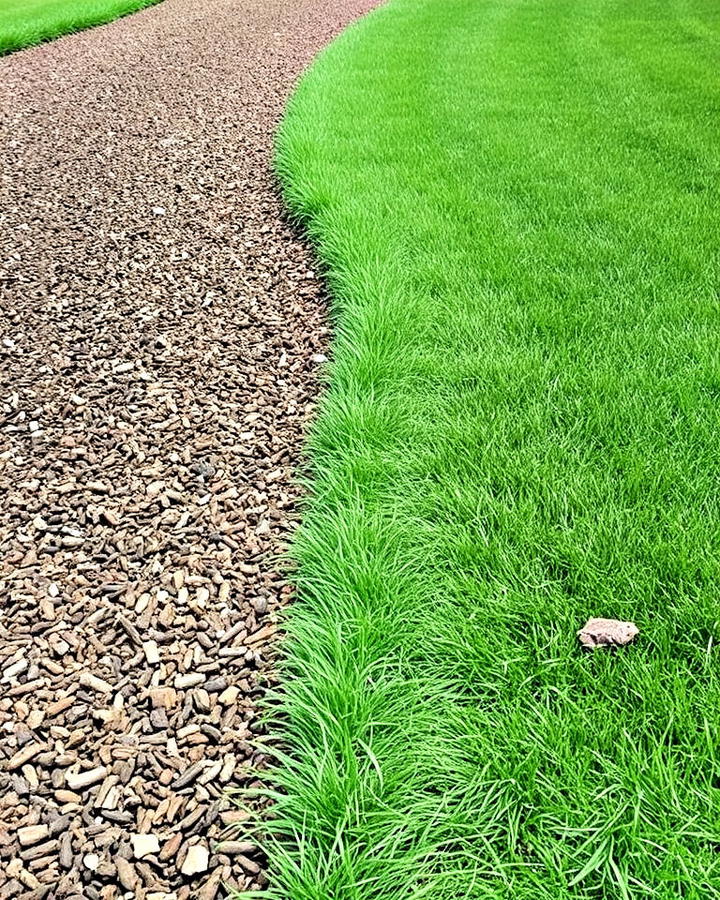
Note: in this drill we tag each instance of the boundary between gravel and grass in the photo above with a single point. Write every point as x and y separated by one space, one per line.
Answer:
516 207
34 21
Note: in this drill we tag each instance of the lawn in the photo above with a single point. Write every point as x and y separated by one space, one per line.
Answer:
516 203
26 22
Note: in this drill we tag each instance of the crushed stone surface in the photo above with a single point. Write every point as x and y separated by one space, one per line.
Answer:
161 332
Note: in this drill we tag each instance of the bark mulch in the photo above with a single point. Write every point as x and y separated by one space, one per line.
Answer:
161 335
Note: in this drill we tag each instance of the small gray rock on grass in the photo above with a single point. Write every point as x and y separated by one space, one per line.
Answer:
607 633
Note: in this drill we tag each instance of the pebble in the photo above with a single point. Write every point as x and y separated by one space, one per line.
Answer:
144 845
607 633
228 768
65 856
209 890
196 860
249 865
150 648
229 695
260 605
91 861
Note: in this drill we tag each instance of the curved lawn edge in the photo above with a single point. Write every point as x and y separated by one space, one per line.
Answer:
511 207
21 27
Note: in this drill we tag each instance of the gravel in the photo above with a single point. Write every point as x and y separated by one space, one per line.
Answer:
162 335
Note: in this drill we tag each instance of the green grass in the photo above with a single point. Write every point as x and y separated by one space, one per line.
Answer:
27 22
517 206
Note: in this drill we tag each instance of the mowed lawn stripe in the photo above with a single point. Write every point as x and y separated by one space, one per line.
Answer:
517 207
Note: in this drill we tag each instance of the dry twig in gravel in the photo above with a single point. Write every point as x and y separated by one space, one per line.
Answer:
161 333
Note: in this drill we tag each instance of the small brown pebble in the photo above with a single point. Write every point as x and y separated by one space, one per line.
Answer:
35 719
39 852
228 768
262 634
158 718
66 855
188 775
234 816
261 605
201 698
59 706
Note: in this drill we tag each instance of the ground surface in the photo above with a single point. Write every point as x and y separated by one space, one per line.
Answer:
160 327
31 21
518 203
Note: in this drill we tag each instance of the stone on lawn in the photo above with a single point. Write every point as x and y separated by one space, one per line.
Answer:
607 633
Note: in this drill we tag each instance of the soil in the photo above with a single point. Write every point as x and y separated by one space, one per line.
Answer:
162 334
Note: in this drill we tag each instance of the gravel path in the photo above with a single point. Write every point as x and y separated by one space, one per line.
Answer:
161 336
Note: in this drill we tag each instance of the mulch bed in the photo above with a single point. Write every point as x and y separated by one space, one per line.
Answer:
162 332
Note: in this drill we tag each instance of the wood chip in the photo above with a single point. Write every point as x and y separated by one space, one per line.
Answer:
25 755
78 781
87 679
32 834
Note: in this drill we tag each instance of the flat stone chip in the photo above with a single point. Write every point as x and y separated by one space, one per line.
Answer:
607 633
